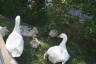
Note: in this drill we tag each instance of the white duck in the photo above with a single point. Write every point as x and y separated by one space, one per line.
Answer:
53 33
35 43
58 53
14 42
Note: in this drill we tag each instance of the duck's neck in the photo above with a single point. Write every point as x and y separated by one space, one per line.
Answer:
17 28
63 43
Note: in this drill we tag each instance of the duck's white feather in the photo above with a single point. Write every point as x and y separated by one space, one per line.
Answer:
14 42
58 53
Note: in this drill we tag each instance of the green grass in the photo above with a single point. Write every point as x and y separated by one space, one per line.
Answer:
80 52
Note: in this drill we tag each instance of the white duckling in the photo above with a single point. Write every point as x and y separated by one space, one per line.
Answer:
14 42
53 33
35 43
58 53
3 30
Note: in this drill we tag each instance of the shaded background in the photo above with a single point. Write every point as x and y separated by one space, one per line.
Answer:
46 15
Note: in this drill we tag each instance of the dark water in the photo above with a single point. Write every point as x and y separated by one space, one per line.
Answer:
79 13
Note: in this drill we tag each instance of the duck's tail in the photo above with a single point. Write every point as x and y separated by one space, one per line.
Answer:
16 53
45 55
